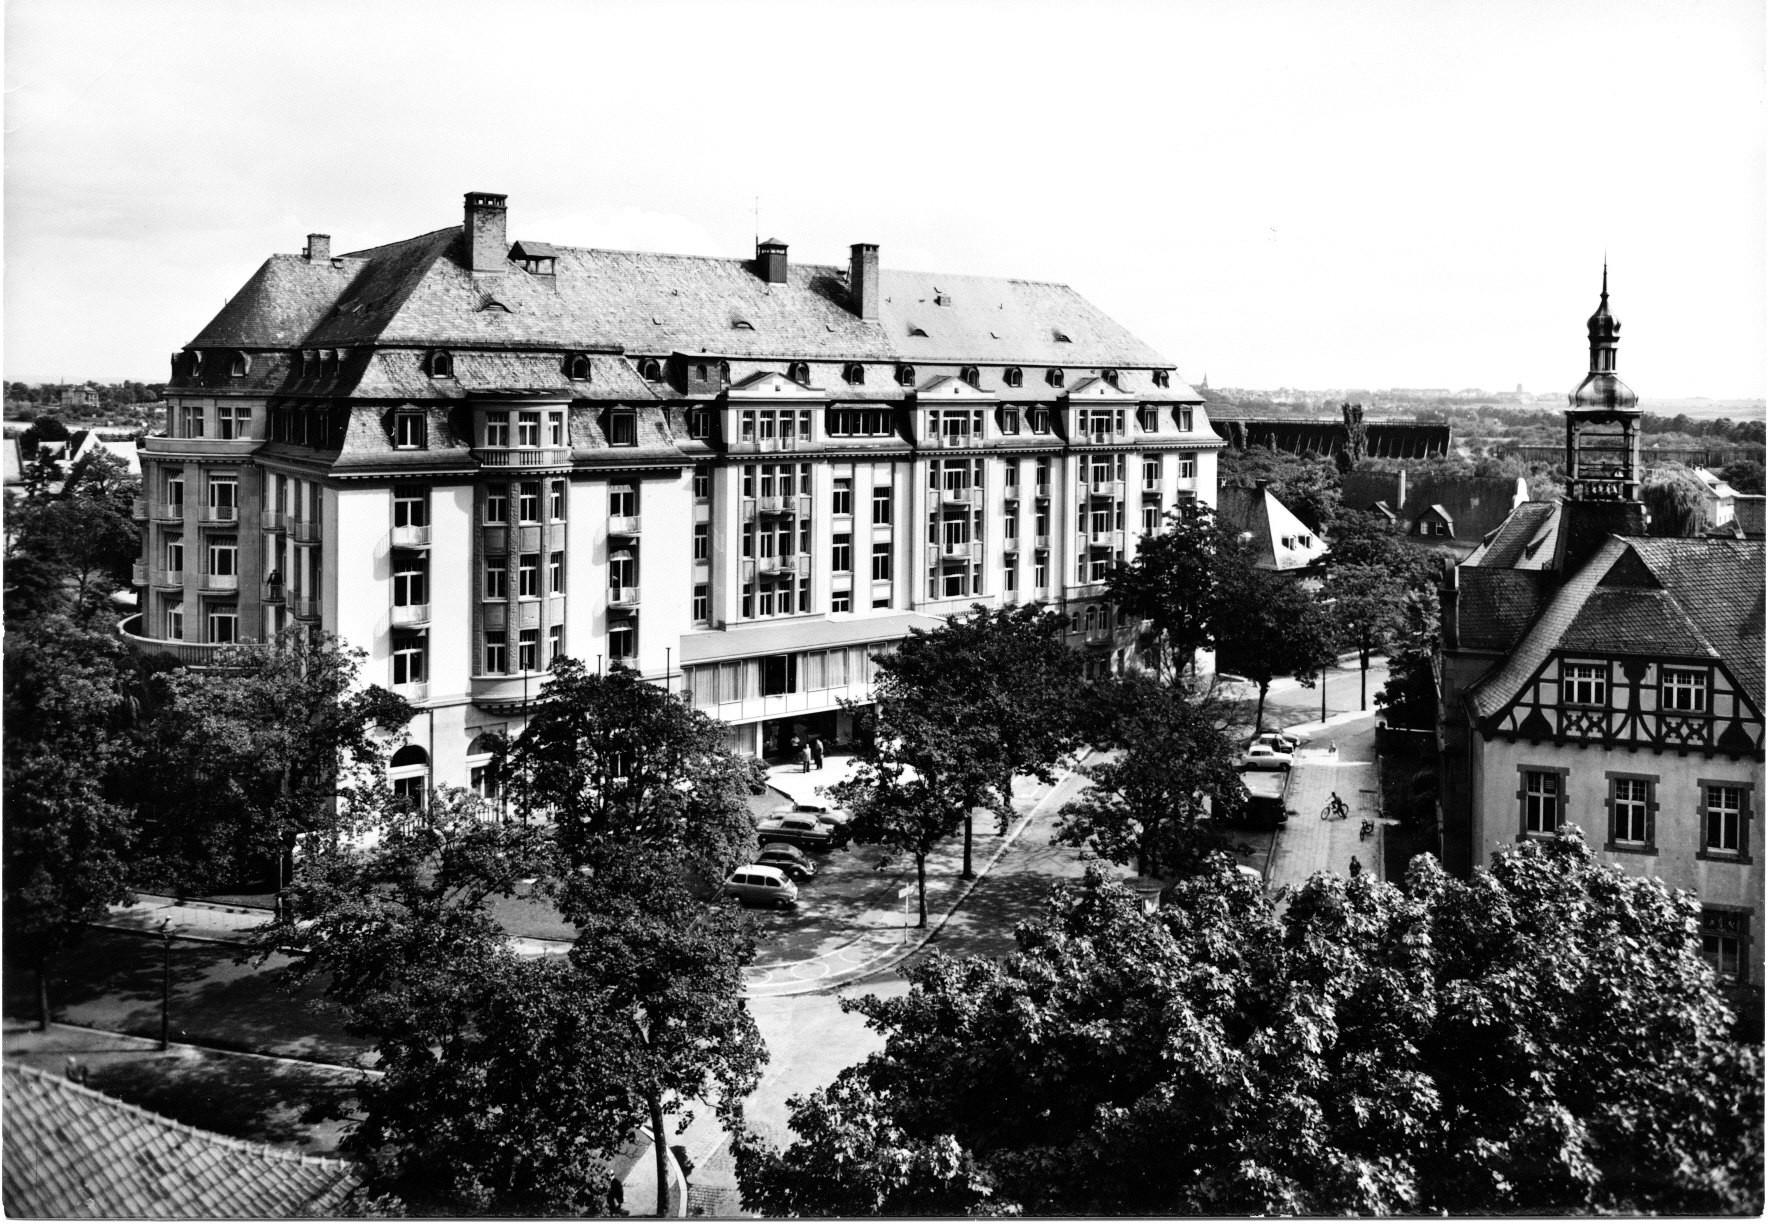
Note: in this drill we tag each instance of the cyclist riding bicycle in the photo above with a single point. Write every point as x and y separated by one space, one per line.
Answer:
1335 809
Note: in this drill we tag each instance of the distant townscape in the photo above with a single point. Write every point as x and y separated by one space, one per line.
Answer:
519 729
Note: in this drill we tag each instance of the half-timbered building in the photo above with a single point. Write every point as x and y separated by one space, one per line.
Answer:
1597 677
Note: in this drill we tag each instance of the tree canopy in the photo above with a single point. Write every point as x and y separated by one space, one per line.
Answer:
1543 1038
1171 585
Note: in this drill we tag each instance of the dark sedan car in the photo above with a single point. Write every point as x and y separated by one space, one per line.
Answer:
788 858
802 831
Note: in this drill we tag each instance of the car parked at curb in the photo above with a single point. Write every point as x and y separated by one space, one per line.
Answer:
788 858
1277 741
757 884
806 832
1263 756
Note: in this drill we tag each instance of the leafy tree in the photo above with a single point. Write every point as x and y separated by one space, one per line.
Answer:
45 428
270 744
1675 502
68 550
1269 625
986 696
68 846
1409 696
1171 584
894 804
1745 475
619 764
1368 605
1161 799
1307 484
1543 1038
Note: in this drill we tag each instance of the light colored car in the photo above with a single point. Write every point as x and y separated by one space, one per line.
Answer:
1263 756
761 885
1276 741
802 831
788 858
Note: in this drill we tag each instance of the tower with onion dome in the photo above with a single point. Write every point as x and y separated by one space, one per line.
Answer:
1602 421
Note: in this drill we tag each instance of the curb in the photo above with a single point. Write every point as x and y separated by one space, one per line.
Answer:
150 1045
889 960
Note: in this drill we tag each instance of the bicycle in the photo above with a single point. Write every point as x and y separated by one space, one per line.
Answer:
1335 809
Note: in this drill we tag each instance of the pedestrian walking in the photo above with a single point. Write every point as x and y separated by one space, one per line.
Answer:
1356 867
804 757
616 1196
816 751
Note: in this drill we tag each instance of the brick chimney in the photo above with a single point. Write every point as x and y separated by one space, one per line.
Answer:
488 246
318 248
862 280
770 261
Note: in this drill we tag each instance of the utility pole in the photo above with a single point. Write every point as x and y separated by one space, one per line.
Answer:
165 984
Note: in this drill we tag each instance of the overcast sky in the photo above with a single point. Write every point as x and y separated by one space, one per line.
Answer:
1311 194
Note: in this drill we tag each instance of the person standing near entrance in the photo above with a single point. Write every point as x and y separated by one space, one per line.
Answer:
816 752
804 757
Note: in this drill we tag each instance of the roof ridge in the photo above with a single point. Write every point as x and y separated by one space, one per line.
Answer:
336 1164
365 252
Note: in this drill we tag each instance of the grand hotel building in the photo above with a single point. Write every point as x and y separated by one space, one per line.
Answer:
742 477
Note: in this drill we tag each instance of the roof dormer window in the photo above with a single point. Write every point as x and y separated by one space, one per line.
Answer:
194 364
650 369
1061 337
742 325
537 258
855 374
799 372
1013 376
971 375
1110 376
917 331
237 367
328 361
578 367
1163 378
905 376
309 363
440 364
1054 377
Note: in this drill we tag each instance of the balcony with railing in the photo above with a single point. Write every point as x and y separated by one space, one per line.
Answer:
160 444
273 520
626 525
508 689
966 496
167 512
1042 488
1104 488
138 573
788 563
138 509
776 506
955 549
417 690
304 607
219 583
273 592
1040 541
623 598
411 614
166 577
227 516
190 654
1104 539
412 535
305 531
523 456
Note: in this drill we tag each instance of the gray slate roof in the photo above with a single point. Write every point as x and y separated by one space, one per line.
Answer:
71 1151
419 293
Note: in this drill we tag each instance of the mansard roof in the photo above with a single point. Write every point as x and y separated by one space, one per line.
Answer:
420 293
1649 597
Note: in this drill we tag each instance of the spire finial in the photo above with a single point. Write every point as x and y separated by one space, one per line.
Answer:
1605 278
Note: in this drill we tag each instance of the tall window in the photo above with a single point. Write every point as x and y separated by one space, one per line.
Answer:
408 430
1187 467
528 650
175 619
622 641
556 511
622 571
224 556
408 658
1186 417
622 501
555 573
497 652
497 579
702 541
224 622
1724 939
528 504
702 603
1725 823
1148 418
1151 473
1584 684
1685 689
555 643
410 582
223 498
622 429
528 429
1040 570
410 508
528 576
842 500
841 553
555 429
881 562
175 554
1629 813
497 429
175 493
881 506
497 502
1542 801
235 421
702 483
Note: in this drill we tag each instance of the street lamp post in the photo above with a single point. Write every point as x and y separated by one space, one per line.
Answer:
165 984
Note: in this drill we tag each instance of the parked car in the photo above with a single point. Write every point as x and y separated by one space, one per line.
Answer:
757 884
803 831
788 858
1276 741
1263 756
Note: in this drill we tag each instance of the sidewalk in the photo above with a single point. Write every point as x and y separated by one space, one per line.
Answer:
1306 844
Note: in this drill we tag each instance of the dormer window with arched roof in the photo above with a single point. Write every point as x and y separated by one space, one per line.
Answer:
1163 378
855 374
309 363
799 372
1054 377
1110 376
237 367
650 369
440 364
724 372
1013 376
905 375
578 367
194 364
971 375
